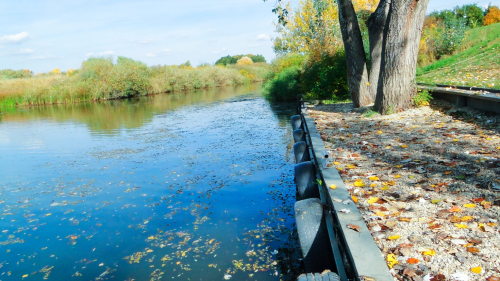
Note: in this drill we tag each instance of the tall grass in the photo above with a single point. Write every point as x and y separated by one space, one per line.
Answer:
102 79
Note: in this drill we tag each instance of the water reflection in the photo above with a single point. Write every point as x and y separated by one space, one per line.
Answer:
110 116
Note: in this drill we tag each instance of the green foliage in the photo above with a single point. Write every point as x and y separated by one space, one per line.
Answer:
233 59
326 78
472 13
11 74
422 98
284 86
450 34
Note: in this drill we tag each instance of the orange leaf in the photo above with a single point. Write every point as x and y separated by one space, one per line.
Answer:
477 200
476 269
412 261
355 199
473 250
354 227
454 209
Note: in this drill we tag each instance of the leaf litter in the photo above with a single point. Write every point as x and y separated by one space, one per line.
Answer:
429 170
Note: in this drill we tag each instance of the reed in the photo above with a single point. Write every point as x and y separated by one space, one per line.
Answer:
102 79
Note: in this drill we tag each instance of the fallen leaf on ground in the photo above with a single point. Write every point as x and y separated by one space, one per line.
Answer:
467 218
355 199
394 237
354 227
476 269
461 225
470 206
391 260
428 252
372 200
412 261
454 209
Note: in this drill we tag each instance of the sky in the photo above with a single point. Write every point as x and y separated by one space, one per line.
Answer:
47 34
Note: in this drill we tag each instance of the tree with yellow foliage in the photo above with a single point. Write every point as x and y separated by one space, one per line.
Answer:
244 61
493 16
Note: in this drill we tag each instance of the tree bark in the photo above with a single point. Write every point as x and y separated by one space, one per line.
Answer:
376 24
403 28
357 74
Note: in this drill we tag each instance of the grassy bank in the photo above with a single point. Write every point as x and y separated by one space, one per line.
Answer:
475 63
103 79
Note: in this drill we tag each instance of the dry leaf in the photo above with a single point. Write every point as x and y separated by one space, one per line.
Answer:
333 186
461 225
372 200
476 269
394 237
373 178
470 206
454 209
467 218
473 250
493 278
354 227
391 260
428 252
412 261
355 199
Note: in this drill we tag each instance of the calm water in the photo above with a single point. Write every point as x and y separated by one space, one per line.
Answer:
191 186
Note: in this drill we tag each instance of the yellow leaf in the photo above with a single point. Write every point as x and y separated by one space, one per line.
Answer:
380 132
470 205
387 147
394 237
466 218
461 225
351 166
359 183
355 199
380 214
210 242
399 166
476 269
435 201
428 252
25 275
336 163
178 262
151 237
373 178
48 214
373 184
372 200
340 169
397 176
385 187
333 186
149 251
404 146
391 260
447 172
455 140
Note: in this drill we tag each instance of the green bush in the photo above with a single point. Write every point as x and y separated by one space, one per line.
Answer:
11 74
227 60
284 86
450 34
326 79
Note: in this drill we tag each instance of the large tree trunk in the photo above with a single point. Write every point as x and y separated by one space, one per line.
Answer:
396 85
357 75
376 24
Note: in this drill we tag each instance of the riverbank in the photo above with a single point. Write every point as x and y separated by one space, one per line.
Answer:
426 181
101 79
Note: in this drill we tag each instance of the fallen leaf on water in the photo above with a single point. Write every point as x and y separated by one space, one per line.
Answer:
454 209
25 275
470 206
354 227
394 237
412 261
333 186
391 260
178 262
476 269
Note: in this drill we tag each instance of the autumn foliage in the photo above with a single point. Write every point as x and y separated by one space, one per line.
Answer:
493 16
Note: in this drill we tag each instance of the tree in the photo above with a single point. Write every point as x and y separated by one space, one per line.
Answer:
493 16
394 30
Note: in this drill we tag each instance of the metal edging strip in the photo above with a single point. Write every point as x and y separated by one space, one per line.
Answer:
361 256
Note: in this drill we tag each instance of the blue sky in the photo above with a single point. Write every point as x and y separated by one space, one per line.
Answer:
46 34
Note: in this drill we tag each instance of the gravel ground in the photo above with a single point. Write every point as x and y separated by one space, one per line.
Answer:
427 182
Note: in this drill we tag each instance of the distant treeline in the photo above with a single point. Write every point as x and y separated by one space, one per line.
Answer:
233 59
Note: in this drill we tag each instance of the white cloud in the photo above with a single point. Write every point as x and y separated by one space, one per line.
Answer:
150 55
224 49
44 57
166 50
17 52
263 37
16 38
89 54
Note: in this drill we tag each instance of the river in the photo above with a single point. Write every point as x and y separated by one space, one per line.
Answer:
183 186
